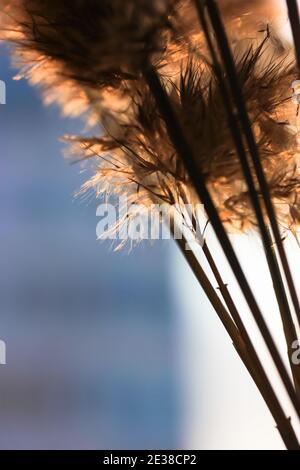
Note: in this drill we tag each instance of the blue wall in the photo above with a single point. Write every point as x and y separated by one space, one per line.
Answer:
90 334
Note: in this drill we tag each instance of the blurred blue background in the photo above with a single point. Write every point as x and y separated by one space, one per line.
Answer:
90 334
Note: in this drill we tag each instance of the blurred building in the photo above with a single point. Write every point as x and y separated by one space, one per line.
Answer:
90 334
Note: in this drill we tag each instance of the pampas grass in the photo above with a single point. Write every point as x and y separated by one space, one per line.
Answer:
185 119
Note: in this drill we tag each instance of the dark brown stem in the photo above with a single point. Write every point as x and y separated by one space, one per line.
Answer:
247 353
295 24
187 156
279 288
235 89
221 285
290 335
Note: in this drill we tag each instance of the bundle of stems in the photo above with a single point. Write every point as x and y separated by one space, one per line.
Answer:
240 126
144 72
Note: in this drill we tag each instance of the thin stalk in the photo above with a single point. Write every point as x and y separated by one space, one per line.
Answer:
290 338
246 353
223 288
221 285
279 288
186 154
233 81
293 12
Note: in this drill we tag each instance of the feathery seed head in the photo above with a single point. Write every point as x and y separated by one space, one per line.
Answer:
75 49
90 54
97 43
143 161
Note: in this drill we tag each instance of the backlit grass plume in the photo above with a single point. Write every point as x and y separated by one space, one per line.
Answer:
90 57
188 112
96 43
140 155
73 48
